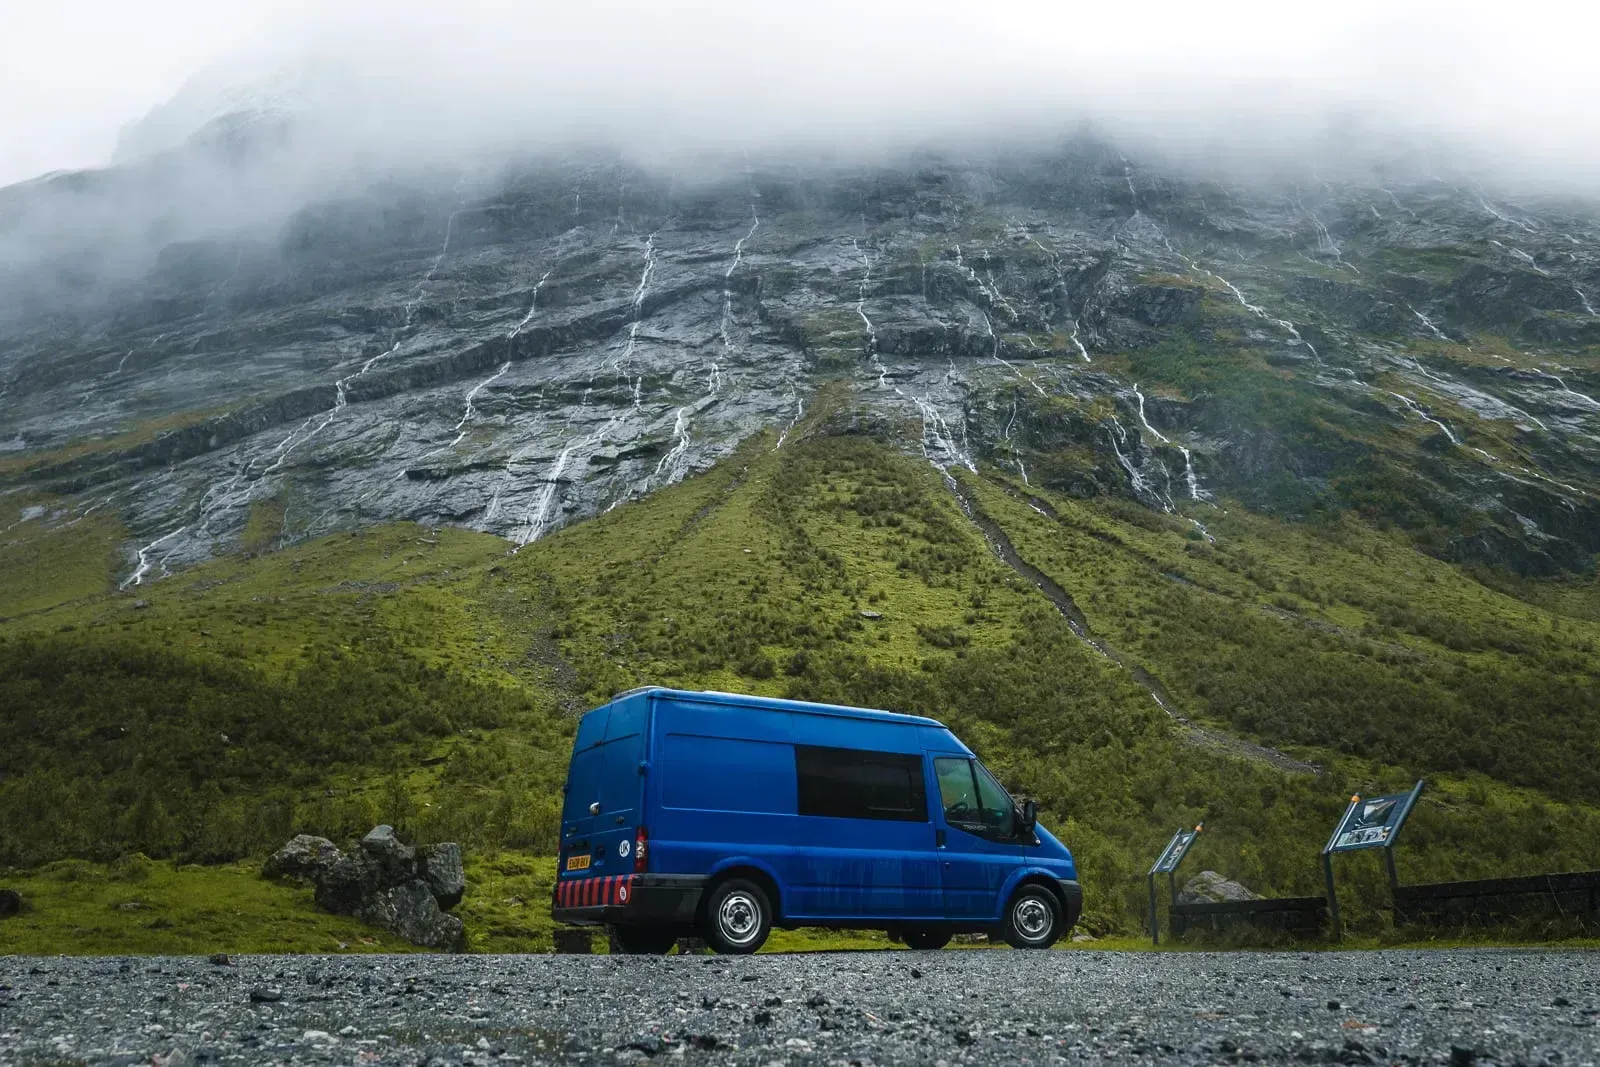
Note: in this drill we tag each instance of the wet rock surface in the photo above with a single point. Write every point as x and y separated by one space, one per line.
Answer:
1484 1007
517 353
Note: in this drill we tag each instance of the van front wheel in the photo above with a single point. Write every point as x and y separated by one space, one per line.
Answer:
1033 919
737 917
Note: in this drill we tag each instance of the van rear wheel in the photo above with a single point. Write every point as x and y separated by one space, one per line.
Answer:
927 940
737 917
645 941
1033 919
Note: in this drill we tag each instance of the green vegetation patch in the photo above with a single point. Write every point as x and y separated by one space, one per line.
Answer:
141 906
50 556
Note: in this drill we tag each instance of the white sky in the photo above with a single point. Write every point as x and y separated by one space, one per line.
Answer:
73 71
1521 75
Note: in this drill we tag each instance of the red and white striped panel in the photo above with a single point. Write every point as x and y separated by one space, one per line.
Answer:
594 892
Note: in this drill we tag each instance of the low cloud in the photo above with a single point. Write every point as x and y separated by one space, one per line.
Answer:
347 89
406 80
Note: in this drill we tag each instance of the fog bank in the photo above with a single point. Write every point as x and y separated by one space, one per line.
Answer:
403 81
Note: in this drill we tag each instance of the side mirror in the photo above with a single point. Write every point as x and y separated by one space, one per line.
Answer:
1030 815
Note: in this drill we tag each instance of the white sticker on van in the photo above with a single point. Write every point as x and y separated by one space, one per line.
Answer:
623 846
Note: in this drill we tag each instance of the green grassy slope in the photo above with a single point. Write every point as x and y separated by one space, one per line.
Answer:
1334 637
431 678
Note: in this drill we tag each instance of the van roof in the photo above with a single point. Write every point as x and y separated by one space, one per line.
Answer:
779 704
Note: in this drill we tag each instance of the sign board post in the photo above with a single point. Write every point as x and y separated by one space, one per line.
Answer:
1371 823
1167 864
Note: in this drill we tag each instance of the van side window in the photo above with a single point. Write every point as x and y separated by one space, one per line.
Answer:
848 783
958 792
973 800
995 807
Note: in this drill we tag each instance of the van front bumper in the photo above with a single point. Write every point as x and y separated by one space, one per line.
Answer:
629 899
1072 898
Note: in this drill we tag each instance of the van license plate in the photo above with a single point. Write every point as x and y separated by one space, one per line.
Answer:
578 863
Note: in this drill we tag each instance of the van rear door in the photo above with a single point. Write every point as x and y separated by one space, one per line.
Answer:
600 814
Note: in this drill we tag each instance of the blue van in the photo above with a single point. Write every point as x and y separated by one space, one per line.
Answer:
723 816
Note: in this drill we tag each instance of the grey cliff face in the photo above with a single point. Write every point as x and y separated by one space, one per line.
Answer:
512 355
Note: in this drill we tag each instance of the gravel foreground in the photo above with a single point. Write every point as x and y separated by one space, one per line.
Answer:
1458 1008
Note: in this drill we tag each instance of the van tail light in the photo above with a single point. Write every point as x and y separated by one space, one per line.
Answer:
641 851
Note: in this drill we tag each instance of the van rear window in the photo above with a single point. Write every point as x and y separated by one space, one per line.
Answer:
849 783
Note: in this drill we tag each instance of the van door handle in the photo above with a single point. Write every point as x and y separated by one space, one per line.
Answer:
938 839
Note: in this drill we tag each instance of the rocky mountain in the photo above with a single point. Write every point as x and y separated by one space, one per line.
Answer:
1184 491
517 349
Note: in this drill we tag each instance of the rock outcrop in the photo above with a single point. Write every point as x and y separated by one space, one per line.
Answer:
383 881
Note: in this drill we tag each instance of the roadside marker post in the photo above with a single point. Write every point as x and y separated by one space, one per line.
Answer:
1167 864
1371 823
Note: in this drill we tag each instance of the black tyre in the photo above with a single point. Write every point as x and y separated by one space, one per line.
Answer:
737 917
1033 918
927 940
645 940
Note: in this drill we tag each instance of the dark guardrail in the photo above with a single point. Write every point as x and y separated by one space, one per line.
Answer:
1572 896
1295 915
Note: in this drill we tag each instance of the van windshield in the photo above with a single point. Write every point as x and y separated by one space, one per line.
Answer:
972 799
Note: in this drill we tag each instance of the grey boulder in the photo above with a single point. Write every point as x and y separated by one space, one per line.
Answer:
305 856
440 867
1209 887
385 882
394 858
411 911
342 887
